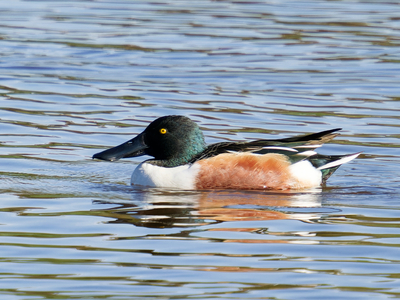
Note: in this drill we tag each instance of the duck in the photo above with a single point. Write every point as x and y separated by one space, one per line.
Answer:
182 160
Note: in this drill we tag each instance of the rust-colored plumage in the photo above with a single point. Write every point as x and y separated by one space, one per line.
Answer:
245 171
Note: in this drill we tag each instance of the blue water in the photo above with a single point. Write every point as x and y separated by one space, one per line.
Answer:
77 77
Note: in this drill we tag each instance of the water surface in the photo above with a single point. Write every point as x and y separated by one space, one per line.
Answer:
77 77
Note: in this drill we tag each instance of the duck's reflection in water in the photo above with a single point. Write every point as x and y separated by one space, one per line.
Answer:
165 208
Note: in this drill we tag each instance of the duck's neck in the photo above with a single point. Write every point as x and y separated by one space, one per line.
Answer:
169 163
191 150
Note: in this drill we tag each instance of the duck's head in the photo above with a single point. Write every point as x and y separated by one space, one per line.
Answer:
171 140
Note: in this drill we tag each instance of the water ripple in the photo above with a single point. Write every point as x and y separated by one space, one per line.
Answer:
80 76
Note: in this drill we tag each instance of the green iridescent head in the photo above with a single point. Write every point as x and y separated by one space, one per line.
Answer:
171 140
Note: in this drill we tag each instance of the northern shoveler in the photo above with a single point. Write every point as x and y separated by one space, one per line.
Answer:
182 159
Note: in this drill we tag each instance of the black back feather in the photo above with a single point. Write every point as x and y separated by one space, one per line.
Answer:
261 146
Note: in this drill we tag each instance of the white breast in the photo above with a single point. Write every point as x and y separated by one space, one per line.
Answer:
181 177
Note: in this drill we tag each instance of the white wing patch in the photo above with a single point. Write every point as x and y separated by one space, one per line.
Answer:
280 148
307 153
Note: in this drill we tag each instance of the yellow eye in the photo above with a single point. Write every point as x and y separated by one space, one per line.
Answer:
163 131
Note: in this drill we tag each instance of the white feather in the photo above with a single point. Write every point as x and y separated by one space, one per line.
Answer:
305 175
181 177
339 161
307 153
280 148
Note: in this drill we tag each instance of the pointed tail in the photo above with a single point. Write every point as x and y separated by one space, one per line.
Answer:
328 164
